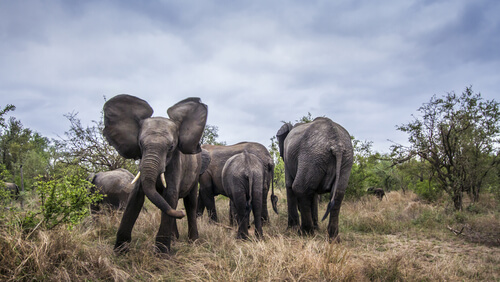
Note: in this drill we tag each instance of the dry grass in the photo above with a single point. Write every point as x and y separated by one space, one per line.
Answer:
398 239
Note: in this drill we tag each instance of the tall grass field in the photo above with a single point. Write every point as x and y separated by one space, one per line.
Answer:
397 239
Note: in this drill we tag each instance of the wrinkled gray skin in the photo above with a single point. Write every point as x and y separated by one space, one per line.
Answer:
168 146
378 192
243 182
13 189
211 179
115 185
318 157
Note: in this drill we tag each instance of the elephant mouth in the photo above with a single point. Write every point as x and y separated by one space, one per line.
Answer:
162 177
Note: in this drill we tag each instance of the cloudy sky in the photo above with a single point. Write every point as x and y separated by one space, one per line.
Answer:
367 65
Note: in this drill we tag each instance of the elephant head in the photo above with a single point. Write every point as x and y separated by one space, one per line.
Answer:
135 134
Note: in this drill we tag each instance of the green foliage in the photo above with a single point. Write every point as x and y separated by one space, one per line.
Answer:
88 148
458 136
279 165
4 111
64 200
427 190
210 135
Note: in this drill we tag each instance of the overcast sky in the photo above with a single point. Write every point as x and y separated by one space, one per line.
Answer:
367 65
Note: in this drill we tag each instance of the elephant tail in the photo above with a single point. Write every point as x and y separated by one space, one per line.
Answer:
274 198
338 157
250 183
250 191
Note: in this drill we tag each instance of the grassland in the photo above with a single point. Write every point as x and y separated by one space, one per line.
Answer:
397 239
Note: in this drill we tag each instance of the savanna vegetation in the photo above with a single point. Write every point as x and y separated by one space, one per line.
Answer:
439 221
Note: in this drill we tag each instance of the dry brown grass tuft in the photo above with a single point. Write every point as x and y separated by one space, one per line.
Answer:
397 239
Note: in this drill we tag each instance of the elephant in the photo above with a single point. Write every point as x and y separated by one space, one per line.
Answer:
170 161
318 158
115 185
13 189
243 182
378 192
211 179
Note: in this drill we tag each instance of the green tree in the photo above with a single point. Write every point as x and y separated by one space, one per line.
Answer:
458 136
87 147
24 147
210 135
279 165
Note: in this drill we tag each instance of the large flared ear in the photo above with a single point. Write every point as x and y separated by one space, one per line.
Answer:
123 115
191 115
282 134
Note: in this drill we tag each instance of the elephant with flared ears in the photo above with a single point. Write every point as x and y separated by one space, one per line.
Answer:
318 158
170 161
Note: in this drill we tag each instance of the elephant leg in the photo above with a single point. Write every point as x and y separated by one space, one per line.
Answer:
200 207
293 214
333 224
168 226
207 197
232 214
239 202
314 211
265 213
305 204
190 205
257 215
134 206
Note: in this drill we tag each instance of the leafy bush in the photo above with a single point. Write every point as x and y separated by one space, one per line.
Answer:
65 200
427 190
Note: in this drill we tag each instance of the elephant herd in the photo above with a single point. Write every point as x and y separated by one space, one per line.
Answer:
318 157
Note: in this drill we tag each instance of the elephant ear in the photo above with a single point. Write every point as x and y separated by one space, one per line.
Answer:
191 116
123 115
205 160
282 134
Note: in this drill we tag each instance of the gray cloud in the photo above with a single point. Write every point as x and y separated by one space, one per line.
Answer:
367 65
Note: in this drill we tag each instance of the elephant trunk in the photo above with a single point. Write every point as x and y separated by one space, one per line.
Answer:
150 173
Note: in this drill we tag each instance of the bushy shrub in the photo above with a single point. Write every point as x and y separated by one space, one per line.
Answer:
427 190
64 200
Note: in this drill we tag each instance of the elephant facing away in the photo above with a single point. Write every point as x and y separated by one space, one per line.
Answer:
378 192
170 161
243 182
211 179
318 158
13 189
115 186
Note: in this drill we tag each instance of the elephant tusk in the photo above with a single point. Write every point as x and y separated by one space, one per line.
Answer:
162 176
136 178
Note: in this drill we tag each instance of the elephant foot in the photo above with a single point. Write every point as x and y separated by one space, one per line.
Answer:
122 247
304 232
242 236
335 240
162 248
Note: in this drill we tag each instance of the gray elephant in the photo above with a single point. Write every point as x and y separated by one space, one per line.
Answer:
115 185
13 189
211 179
243 182
378 192
318 158
170 161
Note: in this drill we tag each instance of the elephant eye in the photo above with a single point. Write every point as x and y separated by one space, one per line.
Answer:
171 148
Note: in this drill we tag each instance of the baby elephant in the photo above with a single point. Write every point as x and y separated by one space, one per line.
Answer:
379 192
243 182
